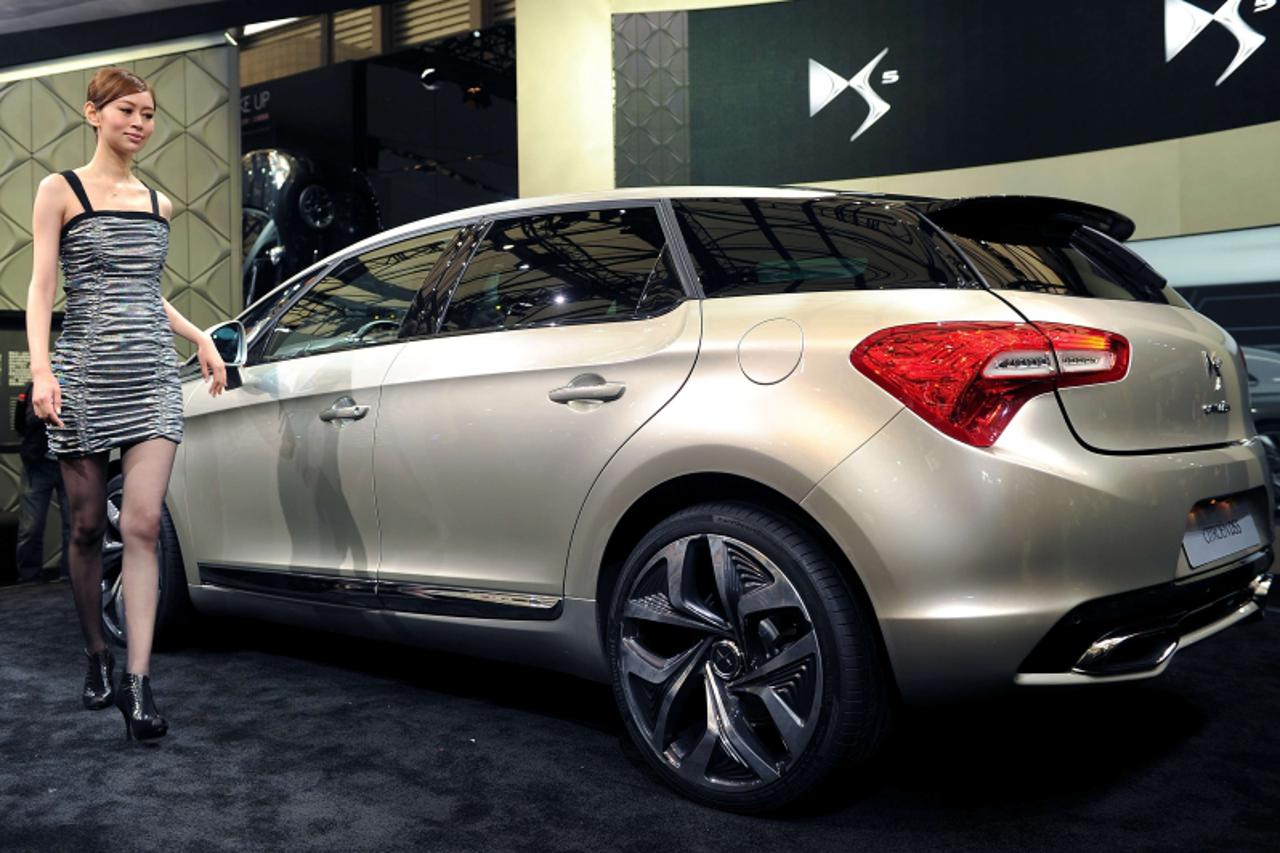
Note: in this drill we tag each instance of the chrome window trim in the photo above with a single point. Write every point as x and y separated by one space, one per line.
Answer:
679 251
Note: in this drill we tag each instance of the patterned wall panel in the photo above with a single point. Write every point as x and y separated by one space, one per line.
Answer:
193 158
651 99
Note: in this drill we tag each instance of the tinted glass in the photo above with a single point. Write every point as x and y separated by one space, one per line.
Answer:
1085 264
361 303
743 247
577 267
262 311
425 313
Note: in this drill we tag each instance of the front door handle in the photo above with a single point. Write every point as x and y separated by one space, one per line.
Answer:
588 387
344 409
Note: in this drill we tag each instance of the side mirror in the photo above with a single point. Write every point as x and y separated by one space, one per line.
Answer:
229 339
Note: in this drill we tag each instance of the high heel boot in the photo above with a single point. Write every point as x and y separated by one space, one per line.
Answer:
141 719
97 681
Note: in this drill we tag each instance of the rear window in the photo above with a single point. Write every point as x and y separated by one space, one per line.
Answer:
744 247
1086 263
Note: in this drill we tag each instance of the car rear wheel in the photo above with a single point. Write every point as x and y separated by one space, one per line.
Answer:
174 607
745 669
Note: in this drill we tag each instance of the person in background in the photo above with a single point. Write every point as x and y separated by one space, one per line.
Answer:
41 477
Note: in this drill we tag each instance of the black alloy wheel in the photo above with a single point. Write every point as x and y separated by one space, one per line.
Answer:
174 605
744 668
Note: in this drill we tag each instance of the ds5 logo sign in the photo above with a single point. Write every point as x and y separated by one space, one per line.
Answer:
1184 21
825 85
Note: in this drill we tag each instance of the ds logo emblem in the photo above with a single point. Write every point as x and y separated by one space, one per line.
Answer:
825 85
1184 21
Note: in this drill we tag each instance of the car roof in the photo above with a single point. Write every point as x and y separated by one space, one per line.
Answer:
534 203
633 194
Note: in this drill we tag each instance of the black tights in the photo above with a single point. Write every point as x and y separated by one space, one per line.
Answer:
147 466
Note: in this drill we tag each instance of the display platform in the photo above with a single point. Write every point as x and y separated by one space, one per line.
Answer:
284 739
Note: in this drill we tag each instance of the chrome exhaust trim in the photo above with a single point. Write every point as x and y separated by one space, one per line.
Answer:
1162 647
1261 587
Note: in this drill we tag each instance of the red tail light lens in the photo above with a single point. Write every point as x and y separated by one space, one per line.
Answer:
968 379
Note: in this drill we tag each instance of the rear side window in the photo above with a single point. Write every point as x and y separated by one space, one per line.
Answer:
749 246
1085 263
586 266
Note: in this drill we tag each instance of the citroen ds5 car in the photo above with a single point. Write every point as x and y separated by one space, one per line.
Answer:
768 461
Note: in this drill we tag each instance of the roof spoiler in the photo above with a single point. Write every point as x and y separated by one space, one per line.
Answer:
1024 218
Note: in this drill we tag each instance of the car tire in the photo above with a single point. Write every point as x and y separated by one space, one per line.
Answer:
744 667
173 610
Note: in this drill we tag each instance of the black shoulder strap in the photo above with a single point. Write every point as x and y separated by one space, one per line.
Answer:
78 188
155 203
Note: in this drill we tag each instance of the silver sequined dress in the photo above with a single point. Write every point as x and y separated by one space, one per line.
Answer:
115 360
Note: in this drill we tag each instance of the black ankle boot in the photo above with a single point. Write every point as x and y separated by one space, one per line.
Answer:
141 719
97 682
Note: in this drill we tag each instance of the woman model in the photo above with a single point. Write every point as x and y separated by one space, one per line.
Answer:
113 380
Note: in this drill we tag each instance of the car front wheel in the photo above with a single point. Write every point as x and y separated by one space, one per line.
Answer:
744 668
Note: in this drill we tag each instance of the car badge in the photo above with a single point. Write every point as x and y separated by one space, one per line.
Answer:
1213 366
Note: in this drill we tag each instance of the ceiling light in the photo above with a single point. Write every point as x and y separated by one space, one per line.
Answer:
263 26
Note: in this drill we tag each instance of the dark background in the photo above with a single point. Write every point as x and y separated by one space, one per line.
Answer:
981 81
424 151
386 147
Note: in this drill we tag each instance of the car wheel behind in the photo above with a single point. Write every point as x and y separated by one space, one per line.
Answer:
174 607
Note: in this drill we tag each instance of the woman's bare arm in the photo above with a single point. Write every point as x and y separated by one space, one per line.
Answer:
46 227
182 327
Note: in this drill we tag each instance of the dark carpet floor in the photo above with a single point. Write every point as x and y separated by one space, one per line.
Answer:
291 740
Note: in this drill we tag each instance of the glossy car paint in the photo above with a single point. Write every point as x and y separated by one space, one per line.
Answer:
967 555
481 475
303 500
1161 405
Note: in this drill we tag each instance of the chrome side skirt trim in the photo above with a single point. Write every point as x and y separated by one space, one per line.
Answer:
356 592
452 601
1041 679
371 594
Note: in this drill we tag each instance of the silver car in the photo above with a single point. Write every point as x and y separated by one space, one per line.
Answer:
765 460
1264 389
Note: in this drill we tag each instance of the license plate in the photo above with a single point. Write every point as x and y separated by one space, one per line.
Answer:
1219 530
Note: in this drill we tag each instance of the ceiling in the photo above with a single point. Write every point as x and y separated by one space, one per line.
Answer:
23 15
34 31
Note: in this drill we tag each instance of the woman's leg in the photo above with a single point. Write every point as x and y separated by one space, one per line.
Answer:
85 478
147 466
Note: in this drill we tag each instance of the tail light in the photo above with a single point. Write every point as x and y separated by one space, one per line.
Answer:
968 379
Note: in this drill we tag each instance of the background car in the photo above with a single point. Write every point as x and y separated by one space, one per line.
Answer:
1264 390
764 460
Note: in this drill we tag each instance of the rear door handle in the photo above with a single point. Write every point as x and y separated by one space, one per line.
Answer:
344 409
588 386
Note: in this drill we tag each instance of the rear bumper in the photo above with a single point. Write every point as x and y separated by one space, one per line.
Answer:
971 557
1136 634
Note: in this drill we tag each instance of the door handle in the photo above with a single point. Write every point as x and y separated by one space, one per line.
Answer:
588 386
344 409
